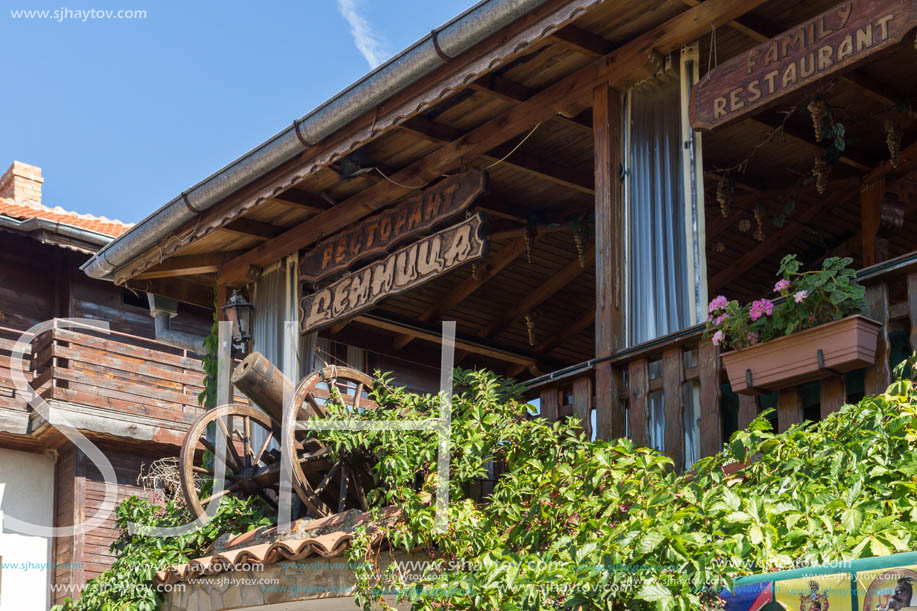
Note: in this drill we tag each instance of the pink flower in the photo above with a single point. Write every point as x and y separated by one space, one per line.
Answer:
719 303
781 285
717 338
800 296
752 337
761 307
719 319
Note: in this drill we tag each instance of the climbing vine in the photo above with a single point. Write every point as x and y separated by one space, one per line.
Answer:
207 398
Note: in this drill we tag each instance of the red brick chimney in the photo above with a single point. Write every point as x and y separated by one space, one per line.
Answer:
21 182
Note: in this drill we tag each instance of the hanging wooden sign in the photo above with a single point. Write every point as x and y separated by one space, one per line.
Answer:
837 39
379 233
404 269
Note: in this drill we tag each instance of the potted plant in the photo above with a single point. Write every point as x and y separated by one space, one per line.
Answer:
810 329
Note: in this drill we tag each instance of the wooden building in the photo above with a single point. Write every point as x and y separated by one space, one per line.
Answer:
638 157
129 394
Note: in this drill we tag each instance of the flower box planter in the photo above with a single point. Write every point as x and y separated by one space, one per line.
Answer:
844 345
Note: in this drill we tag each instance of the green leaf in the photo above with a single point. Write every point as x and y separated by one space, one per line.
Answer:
852 520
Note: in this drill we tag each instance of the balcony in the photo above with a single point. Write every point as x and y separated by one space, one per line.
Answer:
110 384
677 382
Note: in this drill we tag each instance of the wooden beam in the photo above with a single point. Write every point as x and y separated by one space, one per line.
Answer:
794 226
871 197
621 64
673 376
772 123
254 229
189 265
176 288
511 91
303 199
582 41
544 292
580 324
520 160
460 344
486 272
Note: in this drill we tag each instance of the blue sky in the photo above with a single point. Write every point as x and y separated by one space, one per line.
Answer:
122 115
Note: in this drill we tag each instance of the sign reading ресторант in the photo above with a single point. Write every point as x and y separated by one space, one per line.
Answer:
377 234
837 39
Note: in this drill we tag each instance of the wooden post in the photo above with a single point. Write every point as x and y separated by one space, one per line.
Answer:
875 249
748 410
606 125
878 376
549 404
672 379
789 409
833 394
638 374
708 362
912 308
582 402
224 363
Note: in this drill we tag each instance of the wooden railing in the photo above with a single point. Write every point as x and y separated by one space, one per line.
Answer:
679 379
10 398
117 371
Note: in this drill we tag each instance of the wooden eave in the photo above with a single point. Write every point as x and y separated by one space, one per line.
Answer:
434 127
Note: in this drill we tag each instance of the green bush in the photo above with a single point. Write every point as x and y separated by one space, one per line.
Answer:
128 584
566 510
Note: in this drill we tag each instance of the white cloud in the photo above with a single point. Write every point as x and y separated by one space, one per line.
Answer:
370 44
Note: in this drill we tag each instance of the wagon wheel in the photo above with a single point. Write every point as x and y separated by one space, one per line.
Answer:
250 470
341 485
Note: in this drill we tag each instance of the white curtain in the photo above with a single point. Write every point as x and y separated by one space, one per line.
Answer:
275 332
659 295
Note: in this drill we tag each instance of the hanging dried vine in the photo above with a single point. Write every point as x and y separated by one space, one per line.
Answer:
529 236
759 218
820 171
818 108
579 235
530 327
724 189
893 135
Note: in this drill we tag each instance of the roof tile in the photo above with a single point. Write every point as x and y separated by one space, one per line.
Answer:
30 210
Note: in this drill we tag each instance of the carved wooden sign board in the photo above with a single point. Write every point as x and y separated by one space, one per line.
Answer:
377 234
837 39
402 270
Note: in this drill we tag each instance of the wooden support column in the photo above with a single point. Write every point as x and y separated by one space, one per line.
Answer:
638 374
879 375
606 122
912 308
711 429
582 403
550 404
748 410
875 249
672 378
789 409
833 394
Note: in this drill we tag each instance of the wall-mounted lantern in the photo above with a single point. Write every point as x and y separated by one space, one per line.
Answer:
239 313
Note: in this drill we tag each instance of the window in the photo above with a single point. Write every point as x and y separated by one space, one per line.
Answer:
664 259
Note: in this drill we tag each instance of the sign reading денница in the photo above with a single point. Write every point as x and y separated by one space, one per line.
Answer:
376 234
835 40
404 269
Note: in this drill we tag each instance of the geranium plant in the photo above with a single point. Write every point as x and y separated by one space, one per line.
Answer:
801 300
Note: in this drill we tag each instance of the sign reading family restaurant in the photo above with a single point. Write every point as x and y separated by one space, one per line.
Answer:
404 269
377 234
837 39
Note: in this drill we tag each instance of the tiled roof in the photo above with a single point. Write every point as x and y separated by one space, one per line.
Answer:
29 210
325 537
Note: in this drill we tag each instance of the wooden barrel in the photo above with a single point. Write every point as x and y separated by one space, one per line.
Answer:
263 383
